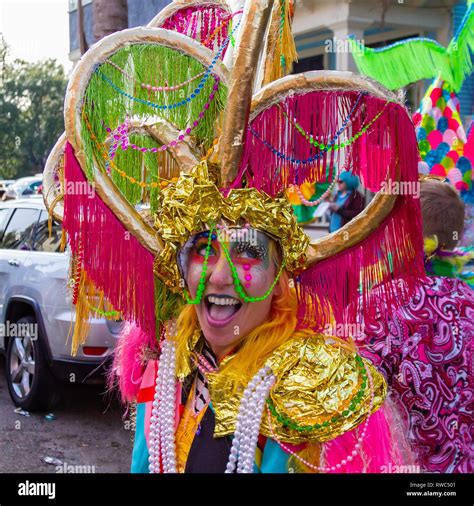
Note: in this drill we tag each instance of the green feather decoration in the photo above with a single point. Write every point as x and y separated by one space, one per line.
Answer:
412 60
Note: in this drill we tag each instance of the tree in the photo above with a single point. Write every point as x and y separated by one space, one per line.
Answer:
31 113
109 16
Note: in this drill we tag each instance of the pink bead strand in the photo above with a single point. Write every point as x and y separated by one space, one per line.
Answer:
120 134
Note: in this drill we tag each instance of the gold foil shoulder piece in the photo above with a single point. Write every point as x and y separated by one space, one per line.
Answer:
316 381
317 385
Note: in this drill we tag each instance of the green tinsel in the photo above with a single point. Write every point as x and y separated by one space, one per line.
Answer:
104 106
132 162
405 62
168 305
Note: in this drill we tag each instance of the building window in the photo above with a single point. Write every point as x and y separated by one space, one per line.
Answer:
73 4
311 63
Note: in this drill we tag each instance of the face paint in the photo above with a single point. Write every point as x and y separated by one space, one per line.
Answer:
225 316
248 248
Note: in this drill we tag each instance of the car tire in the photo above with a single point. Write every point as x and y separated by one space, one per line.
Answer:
31 385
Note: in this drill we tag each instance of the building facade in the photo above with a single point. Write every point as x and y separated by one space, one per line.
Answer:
321 28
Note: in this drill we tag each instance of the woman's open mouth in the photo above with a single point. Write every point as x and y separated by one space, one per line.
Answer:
221 309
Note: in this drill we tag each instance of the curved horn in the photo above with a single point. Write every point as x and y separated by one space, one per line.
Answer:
50 196
232 6
381 205
81 75
254 24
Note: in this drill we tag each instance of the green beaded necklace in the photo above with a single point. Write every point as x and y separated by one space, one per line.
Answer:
354 403
235 276
238 284
202 277
329 147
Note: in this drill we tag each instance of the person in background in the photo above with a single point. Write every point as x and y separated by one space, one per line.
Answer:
348 203
443 211
424 349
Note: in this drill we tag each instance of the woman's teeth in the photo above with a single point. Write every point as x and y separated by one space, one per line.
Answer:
222 308
223 301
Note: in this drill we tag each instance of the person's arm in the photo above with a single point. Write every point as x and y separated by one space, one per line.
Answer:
144 402
353 206
140 448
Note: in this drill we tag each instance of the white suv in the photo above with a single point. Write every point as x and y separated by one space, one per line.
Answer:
36 311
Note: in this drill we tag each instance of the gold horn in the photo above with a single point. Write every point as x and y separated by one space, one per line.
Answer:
81 75
381 205
52 195
254 24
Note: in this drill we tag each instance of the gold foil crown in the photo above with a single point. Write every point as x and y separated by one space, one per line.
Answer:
190 204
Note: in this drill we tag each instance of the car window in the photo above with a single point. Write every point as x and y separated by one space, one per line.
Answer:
42 240
4 214
32 188
19 231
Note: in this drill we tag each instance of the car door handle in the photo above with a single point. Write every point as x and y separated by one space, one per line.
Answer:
15 263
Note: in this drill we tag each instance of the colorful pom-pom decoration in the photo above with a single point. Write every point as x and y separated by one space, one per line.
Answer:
444 148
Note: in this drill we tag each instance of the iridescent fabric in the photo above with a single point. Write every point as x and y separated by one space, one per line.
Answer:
425 352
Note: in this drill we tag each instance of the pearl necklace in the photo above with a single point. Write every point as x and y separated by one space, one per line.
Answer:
242 453
247 429
162 437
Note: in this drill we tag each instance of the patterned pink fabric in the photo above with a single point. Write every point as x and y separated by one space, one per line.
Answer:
425 352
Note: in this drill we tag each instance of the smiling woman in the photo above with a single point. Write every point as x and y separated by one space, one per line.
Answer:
226 356
256 391
224 316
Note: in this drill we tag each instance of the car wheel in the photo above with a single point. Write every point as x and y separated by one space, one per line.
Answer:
30 382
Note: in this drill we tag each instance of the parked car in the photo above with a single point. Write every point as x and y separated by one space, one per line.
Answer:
23 187
4 183
34 298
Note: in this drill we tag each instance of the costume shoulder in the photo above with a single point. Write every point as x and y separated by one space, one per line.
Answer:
322 390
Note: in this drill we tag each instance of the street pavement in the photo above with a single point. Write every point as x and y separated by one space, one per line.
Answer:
88 431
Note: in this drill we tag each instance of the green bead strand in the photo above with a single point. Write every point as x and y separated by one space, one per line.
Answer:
329 147
238 284
235 276
287 422
202 278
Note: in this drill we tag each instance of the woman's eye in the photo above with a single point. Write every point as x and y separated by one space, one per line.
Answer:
201 250
250 250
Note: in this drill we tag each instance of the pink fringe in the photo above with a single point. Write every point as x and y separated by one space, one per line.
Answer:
387 147
334 291
384 448
113 259
199 23
340 290
128 366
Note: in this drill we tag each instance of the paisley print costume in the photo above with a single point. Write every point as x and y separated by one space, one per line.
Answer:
425 352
